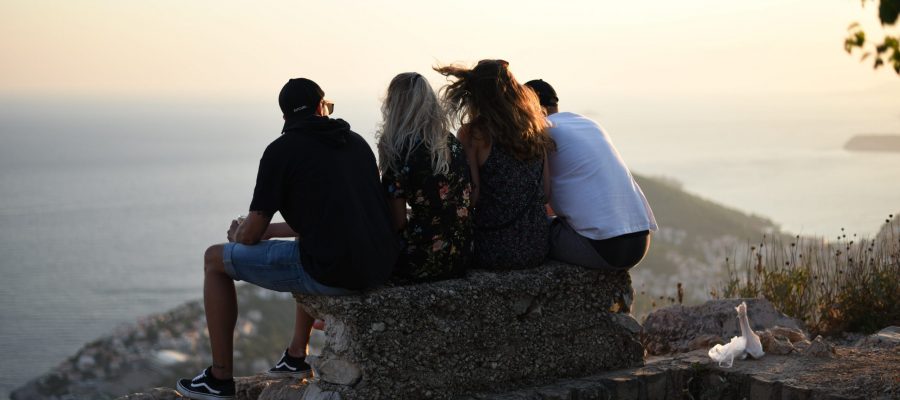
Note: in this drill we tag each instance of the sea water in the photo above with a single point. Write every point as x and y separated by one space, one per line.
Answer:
107 207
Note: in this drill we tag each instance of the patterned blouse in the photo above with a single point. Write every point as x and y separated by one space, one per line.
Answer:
438 239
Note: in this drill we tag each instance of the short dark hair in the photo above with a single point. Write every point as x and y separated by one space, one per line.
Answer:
545 92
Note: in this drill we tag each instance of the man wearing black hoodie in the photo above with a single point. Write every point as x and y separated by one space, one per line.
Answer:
323 179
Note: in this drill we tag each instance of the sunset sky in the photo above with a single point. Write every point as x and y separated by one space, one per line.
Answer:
245 50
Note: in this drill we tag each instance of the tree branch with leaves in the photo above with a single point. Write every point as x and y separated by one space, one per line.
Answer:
888 51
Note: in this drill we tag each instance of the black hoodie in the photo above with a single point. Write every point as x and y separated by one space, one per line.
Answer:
323 179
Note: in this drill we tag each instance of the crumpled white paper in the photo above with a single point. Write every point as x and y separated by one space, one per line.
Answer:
725 354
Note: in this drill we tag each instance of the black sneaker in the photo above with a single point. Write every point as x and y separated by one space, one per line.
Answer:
206 387
290 366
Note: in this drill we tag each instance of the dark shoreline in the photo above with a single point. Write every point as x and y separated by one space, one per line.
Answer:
879 143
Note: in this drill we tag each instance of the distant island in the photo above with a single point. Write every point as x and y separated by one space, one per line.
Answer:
890 143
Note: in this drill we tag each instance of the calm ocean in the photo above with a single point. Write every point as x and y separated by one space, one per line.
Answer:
106 207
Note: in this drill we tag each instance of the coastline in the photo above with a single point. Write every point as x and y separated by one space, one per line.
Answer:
165 346
874 143
158 349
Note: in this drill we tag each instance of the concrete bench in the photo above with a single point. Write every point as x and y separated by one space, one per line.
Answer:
486 333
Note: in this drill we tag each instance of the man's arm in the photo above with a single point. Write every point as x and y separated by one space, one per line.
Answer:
279 230
251 231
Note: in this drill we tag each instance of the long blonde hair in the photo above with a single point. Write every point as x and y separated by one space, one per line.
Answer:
504 112
412 116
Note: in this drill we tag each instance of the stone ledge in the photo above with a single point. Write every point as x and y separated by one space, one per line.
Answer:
487 332
854 374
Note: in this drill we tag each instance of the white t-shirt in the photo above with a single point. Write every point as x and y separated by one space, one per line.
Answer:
590 185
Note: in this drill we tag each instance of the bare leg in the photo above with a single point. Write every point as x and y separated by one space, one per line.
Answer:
220 302
302 324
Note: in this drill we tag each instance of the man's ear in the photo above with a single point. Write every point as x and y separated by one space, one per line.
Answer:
320 108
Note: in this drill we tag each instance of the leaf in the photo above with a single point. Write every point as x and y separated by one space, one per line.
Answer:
888 11
878 63
856 39
891 42
865 56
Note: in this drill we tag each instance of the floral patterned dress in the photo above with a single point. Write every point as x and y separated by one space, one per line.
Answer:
438 239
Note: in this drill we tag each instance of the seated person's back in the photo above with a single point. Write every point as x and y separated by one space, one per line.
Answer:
323 178
511 225
603 219
506 141
424 165
591 185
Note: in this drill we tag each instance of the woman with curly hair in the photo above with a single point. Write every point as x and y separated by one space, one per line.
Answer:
506 139
424 165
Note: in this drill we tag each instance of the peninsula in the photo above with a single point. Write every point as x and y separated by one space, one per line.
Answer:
883 143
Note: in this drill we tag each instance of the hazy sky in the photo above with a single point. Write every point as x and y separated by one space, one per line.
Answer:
247 49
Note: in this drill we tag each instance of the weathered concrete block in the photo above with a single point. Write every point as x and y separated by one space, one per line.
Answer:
315 392
655 384
556 393
763 389
486 333
336 371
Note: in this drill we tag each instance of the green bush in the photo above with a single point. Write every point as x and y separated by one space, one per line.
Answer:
846 285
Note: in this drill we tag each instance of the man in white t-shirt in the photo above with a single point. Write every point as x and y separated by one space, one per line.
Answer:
603 219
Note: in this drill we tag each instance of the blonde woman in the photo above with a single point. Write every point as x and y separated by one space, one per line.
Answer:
506 140
424 166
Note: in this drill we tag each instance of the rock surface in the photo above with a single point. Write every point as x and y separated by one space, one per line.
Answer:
777 345
489 331
257 387
854 373
679 329
819 348
887 338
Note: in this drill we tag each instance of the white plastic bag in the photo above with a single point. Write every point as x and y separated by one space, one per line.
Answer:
725 354
739 346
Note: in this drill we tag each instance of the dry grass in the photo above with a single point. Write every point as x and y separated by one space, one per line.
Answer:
847 285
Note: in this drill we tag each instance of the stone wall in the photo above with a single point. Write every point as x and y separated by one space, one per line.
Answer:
487 333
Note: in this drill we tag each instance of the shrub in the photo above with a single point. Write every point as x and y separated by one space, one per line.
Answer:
847 285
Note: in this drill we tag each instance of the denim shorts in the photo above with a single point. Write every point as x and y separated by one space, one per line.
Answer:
274 265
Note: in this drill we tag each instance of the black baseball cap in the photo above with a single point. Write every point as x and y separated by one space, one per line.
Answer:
544 91
299 98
